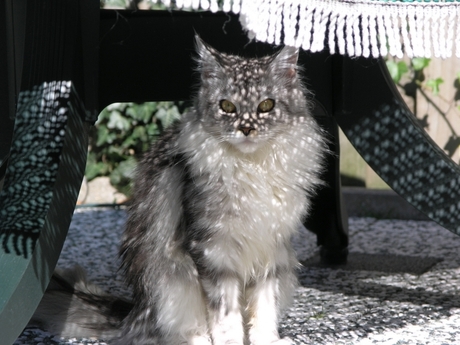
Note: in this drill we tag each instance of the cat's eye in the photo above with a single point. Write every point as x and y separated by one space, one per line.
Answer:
227 106
266 105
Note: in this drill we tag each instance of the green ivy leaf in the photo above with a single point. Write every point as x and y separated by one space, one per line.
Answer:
136 113
434 85
123 174
116 153
397 69
130 141
96 169
402 67
118 121
118 106
393 70
139 133
168 115
148 109
152 130
122 131
420 63
102 135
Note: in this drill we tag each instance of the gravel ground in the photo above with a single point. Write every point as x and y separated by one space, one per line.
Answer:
381 302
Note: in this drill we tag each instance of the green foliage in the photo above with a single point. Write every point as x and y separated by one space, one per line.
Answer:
122 132
415 72
433 84
397 69
420 63
114 3
411 77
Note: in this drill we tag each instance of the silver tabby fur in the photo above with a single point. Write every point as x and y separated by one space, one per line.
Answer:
216 200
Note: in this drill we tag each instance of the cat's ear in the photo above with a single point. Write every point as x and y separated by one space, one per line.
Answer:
208 59
285 62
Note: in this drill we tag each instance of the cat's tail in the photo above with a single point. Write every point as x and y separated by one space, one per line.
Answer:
72 307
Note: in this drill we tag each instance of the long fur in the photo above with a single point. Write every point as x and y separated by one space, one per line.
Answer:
216 200
64 299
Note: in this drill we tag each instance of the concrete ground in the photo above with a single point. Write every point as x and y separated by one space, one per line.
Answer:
401 285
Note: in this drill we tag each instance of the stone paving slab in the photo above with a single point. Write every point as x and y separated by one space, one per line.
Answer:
406 292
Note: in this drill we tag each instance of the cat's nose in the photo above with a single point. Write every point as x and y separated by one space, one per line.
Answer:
246 130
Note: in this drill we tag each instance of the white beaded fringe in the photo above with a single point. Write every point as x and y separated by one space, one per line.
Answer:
352 27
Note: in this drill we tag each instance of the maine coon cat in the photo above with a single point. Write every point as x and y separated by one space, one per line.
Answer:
216 200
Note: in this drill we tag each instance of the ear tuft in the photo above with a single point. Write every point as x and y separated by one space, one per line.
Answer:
201 47
208 63
286 61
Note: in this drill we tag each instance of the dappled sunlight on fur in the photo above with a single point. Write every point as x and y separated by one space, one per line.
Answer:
207 246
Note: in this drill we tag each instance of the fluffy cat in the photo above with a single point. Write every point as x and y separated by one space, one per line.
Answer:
216 200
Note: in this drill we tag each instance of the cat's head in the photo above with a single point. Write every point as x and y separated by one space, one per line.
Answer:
247 102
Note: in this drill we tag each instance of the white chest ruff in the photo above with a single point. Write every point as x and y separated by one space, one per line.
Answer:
263 217
262 198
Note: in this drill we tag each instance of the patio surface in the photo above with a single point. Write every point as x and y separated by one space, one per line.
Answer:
401 285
